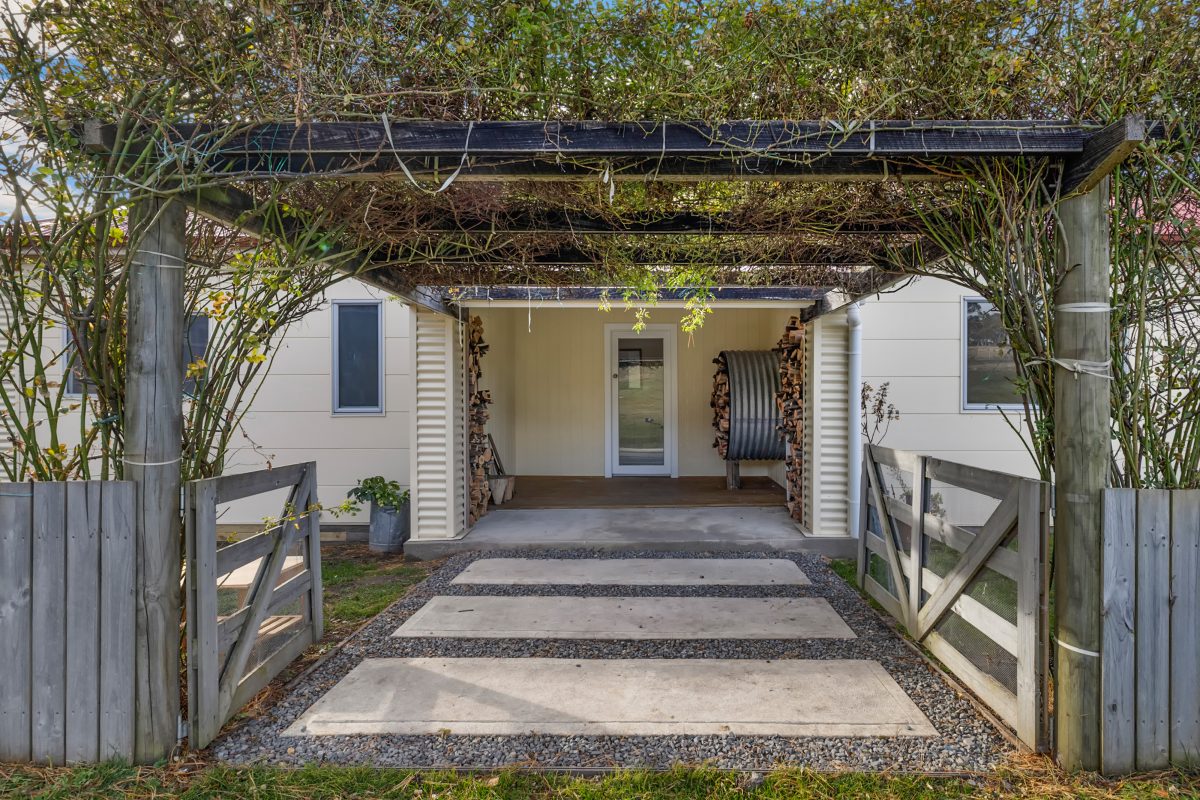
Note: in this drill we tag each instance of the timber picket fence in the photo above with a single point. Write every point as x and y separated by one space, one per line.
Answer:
241 631
967 578
1150 640
67 620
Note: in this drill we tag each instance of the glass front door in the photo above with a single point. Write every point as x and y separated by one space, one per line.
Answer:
642 414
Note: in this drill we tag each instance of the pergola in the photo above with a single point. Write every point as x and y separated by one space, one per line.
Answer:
235 162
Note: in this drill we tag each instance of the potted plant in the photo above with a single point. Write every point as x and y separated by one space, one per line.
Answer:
389 512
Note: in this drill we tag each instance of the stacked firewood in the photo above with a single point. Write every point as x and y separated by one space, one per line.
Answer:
479 449
790 401
720 405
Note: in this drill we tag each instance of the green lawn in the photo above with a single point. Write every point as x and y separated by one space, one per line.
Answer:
327 783
358 584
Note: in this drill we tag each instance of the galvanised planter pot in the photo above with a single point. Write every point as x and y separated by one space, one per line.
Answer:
389 528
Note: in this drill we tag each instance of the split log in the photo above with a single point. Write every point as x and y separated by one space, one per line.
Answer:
790 401
720 405
479 453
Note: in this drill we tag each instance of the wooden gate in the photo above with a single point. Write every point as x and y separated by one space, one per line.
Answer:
253 604
957 554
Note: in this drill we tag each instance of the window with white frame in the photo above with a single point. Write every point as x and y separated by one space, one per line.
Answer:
195 346
989 374
357 357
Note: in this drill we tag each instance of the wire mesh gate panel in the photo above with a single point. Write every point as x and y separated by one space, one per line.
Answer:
253 604
957 554
67 621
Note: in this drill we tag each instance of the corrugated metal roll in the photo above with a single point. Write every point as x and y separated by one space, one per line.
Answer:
753 416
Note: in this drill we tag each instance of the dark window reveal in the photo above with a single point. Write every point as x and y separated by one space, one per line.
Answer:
357 357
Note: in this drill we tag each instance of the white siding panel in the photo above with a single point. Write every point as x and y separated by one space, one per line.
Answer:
344 466
433 439
925 378
315 393
896 356
317 430
826 513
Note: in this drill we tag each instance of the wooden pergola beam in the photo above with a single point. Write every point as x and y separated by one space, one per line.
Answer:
686 150
519 139
1101 154
552 221
461 294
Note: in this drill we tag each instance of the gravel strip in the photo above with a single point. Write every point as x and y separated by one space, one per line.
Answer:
968 742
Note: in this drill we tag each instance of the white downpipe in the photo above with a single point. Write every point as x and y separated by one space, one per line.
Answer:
854 417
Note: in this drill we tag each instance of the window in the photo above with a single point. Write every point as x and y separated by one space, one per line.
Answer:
195 345
357 357
989 374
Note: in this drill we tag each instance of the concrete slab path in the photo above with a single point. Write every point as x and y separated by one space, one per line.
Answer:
628 697
627 618
635 572
728 529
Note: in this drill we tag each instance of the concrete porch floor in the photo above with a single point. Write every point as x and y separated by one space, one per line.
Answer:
735 529
562 491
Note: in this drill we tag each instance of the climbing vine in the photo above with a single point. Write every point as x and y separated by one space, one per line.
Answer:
152 68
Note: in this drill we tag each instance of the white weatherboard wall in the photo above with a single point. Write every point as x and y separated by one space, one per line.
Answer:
292 420
912 340
436 459
546 371
826 425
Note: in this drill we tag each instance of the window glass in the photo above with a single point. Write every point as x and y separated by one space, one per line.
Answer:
195 345
357 357
989 373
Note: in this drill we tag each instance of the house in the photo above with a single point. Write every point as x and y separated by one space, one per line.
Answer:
368 385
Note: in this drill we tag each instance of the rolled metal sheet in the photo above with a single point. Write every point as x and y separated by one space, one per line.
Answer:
753 415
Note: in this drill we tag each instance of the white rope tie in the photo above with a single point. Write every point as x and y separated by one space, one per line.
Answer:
157 266
1079 650
1084 308
151 463
1078 366
1098 369
462 162
182 262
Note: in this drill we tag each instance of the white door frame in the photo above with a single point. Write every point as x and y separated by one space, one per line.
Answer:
670 412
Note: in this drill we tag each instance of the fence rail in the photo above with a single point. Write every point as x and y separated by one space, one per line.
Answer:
67 619
968 582
253 605
1150 642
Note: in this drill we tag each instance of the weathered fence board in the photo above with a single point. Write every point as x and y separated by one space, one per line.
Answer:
1150 681
16 622
1117 610
83 630
926 602
50 630
1152 638
223 674
66 621
118 607
1185 626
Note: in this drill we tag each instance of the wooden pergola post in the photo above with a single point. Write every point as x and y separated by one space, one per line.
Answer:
153 434
1083 454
